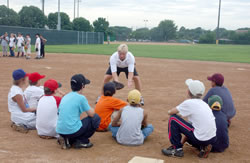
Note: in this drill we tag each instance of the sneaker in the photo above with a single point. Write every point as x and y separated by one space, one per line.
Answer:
204 152
171 151
98 98
142 101
79 145
64 142
19 128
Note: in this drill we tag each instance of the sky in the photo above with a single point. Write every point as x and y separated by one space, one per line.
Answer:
133 13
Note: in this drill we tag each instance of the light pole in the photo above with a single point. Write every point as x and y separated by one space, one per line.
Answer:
74 9
218 25
59 17
43 6
8 4
145 21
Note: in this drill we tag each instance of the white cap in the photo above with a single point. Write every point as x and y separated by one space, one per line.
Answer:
196 87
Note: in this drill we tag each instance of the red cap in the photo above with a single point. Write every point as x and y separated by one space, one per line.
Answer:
217 78
51 84
35 76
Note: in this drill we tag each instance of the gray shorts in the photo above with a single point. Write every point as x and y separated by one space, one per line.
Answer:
20 49
5 49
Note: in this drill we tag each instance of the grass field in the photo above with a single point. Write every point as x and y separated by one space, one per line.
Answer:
221 53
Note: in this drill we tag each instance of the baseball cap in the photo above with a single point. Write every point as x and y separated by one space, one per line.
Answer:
78 81
215 102
196 87
109 89
35 76
19 74
217 78
134 97
52 84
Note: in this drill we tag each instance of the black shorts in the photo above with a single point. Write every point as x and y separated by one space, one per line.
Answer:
119 70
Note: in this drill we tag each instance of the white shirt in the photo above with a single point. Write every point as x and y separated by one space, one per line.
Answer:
28 42
129 62
17 115
33 94
12 42
20 40
200 116
47 116
38 43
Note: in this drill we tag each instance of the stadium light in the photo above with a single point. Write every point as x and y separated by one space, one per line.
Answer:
59 17
8 4
74 9
43 5
218 25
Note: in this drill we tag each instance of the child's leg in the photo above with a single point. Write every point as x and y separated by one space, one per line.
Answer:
178 126
147 130
114 130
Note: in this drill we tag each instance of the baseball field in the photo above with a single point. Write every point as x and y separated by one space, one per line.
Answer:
163 70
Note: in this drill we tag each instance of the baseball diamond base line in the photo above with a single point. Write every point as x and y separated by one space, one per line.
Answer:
163 88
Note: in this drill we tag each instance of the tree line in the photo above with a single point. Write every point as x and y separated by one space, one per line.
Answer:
166 30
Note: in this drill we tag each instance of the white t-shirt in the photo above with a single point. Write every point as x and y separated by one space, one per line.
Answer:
17 115
115 62
200 116
33 94
38 43
47 115
28 42
12 42
20 40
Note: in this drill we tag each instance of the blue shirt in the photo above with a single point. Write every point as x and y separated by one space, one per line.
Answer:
70 109
222 141
228 105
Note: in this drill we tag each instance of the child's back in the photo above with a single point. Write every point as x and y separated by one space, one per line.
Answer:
32 94
130 132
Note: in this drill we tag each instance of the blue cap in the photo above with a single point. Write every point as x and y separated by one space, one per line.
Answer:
18 74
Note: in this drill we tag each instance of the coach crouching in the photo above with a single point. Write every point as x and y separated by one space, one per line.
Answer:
123 61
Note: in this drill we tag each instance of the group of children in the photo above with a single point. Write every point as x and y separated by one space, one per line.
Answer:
59 117
23 45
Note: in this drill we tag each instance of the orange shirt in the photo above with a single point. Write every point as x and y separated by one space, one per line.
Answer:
105 107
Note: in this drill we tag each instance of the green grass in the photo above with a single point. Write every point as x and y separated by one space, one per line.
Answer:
221 53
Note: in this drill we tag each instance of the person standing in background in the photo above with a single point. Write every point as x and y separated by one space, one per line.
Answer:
28 46
12 45
20 42
43 42
38 46
4 43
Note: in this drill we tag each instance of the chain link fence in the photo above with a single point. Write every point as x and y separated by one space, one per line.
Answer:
55 37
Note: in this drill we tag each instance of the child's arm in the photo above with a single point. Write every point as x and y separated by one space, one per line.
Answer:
91 112
173 111
115 122
19 100
145 119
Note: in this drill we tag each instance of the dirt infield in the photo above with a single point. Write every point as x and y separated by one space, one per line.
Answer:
163 88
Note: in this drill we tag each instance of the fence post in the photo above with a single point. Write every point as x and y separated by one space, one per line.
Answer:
82 37
77 37
86 37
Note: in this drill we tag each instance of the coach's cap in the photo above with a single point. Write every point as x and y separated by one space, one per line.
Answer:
196 87
215 102
109 89
134 97
19 74
52 84
78 81
217 78
35 76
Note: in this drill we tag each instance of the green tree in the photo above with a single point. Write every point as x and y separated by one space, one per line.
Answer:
208 38
155 34
101 25
119 33
82 24
167 29
32 17
141 33
8 16
65 21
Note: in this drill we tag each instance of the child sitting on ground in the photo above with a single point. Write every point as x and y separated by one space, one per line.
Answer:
107 105
215 102
133 129
200 131
22 115
47 111
34 92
